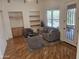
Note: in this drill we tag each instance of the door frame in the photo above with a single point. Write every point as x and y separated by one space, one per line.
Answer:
77 1
74 42
9 19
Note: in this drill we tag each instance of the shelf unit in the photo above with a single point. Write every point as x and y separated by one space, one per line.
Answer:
35 20
16 23
15 17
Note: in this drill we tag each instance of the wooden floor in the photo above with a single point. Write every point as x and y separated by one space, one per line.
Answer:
18 49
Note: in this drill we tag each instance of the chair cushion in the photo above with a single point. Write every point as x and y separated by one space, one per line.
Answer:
35 42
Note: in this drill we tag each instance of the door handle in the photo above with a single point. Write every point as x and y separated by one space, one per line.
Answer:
64 28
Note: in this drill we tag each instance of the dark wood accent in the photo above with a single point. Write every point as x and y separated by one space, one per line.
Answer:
18 31
16 17
24 1
8 1
35 25
18 49
37 1
34 20
35 16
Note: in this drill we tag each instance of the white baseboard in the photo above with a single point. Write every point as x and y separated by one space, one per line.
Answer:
1 56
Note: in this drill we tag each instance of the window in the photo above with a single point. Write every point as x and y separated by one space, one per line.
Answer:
49 18
53 18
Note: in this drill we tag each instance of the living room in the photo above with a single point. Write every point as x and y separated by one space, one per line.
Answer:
36 27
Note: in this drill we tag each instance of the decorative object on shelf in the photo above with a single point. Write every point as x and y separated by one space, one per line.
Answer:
37 1
24 1
8 1
35 16
34 20
42 24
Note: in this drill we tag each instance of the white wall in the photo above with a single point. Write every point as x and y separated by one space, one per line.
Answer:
8 33
46 5
0 4
3 43
78 29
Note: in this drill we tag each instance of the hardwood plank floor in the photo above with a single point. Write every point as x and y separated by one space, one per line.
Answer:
18 49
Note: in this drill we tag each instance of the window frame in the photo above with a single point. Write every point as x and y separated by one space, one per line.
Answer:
51 23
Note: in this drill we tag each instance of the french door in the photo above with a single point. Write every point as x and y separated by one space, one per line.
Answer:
71 26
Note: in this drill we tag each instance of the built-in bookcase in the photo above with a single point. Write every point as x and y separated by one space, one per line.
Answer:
35 20
16 23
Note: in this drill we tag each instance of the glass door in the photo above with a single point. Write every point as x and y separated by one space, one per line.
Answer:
71 24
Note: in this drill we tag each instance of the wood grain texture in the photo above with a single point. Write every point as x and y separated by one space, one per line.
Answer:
18 49
17 31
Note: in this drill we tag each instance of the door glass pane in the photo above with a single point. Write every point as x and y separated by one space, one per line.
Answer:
71 13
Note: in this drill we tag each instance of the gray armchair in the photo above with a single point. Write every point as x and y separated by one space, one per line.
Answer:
51 35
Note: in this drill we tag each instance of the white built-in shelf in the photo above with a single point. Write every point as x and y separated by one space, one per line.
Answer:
35 19
35 25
